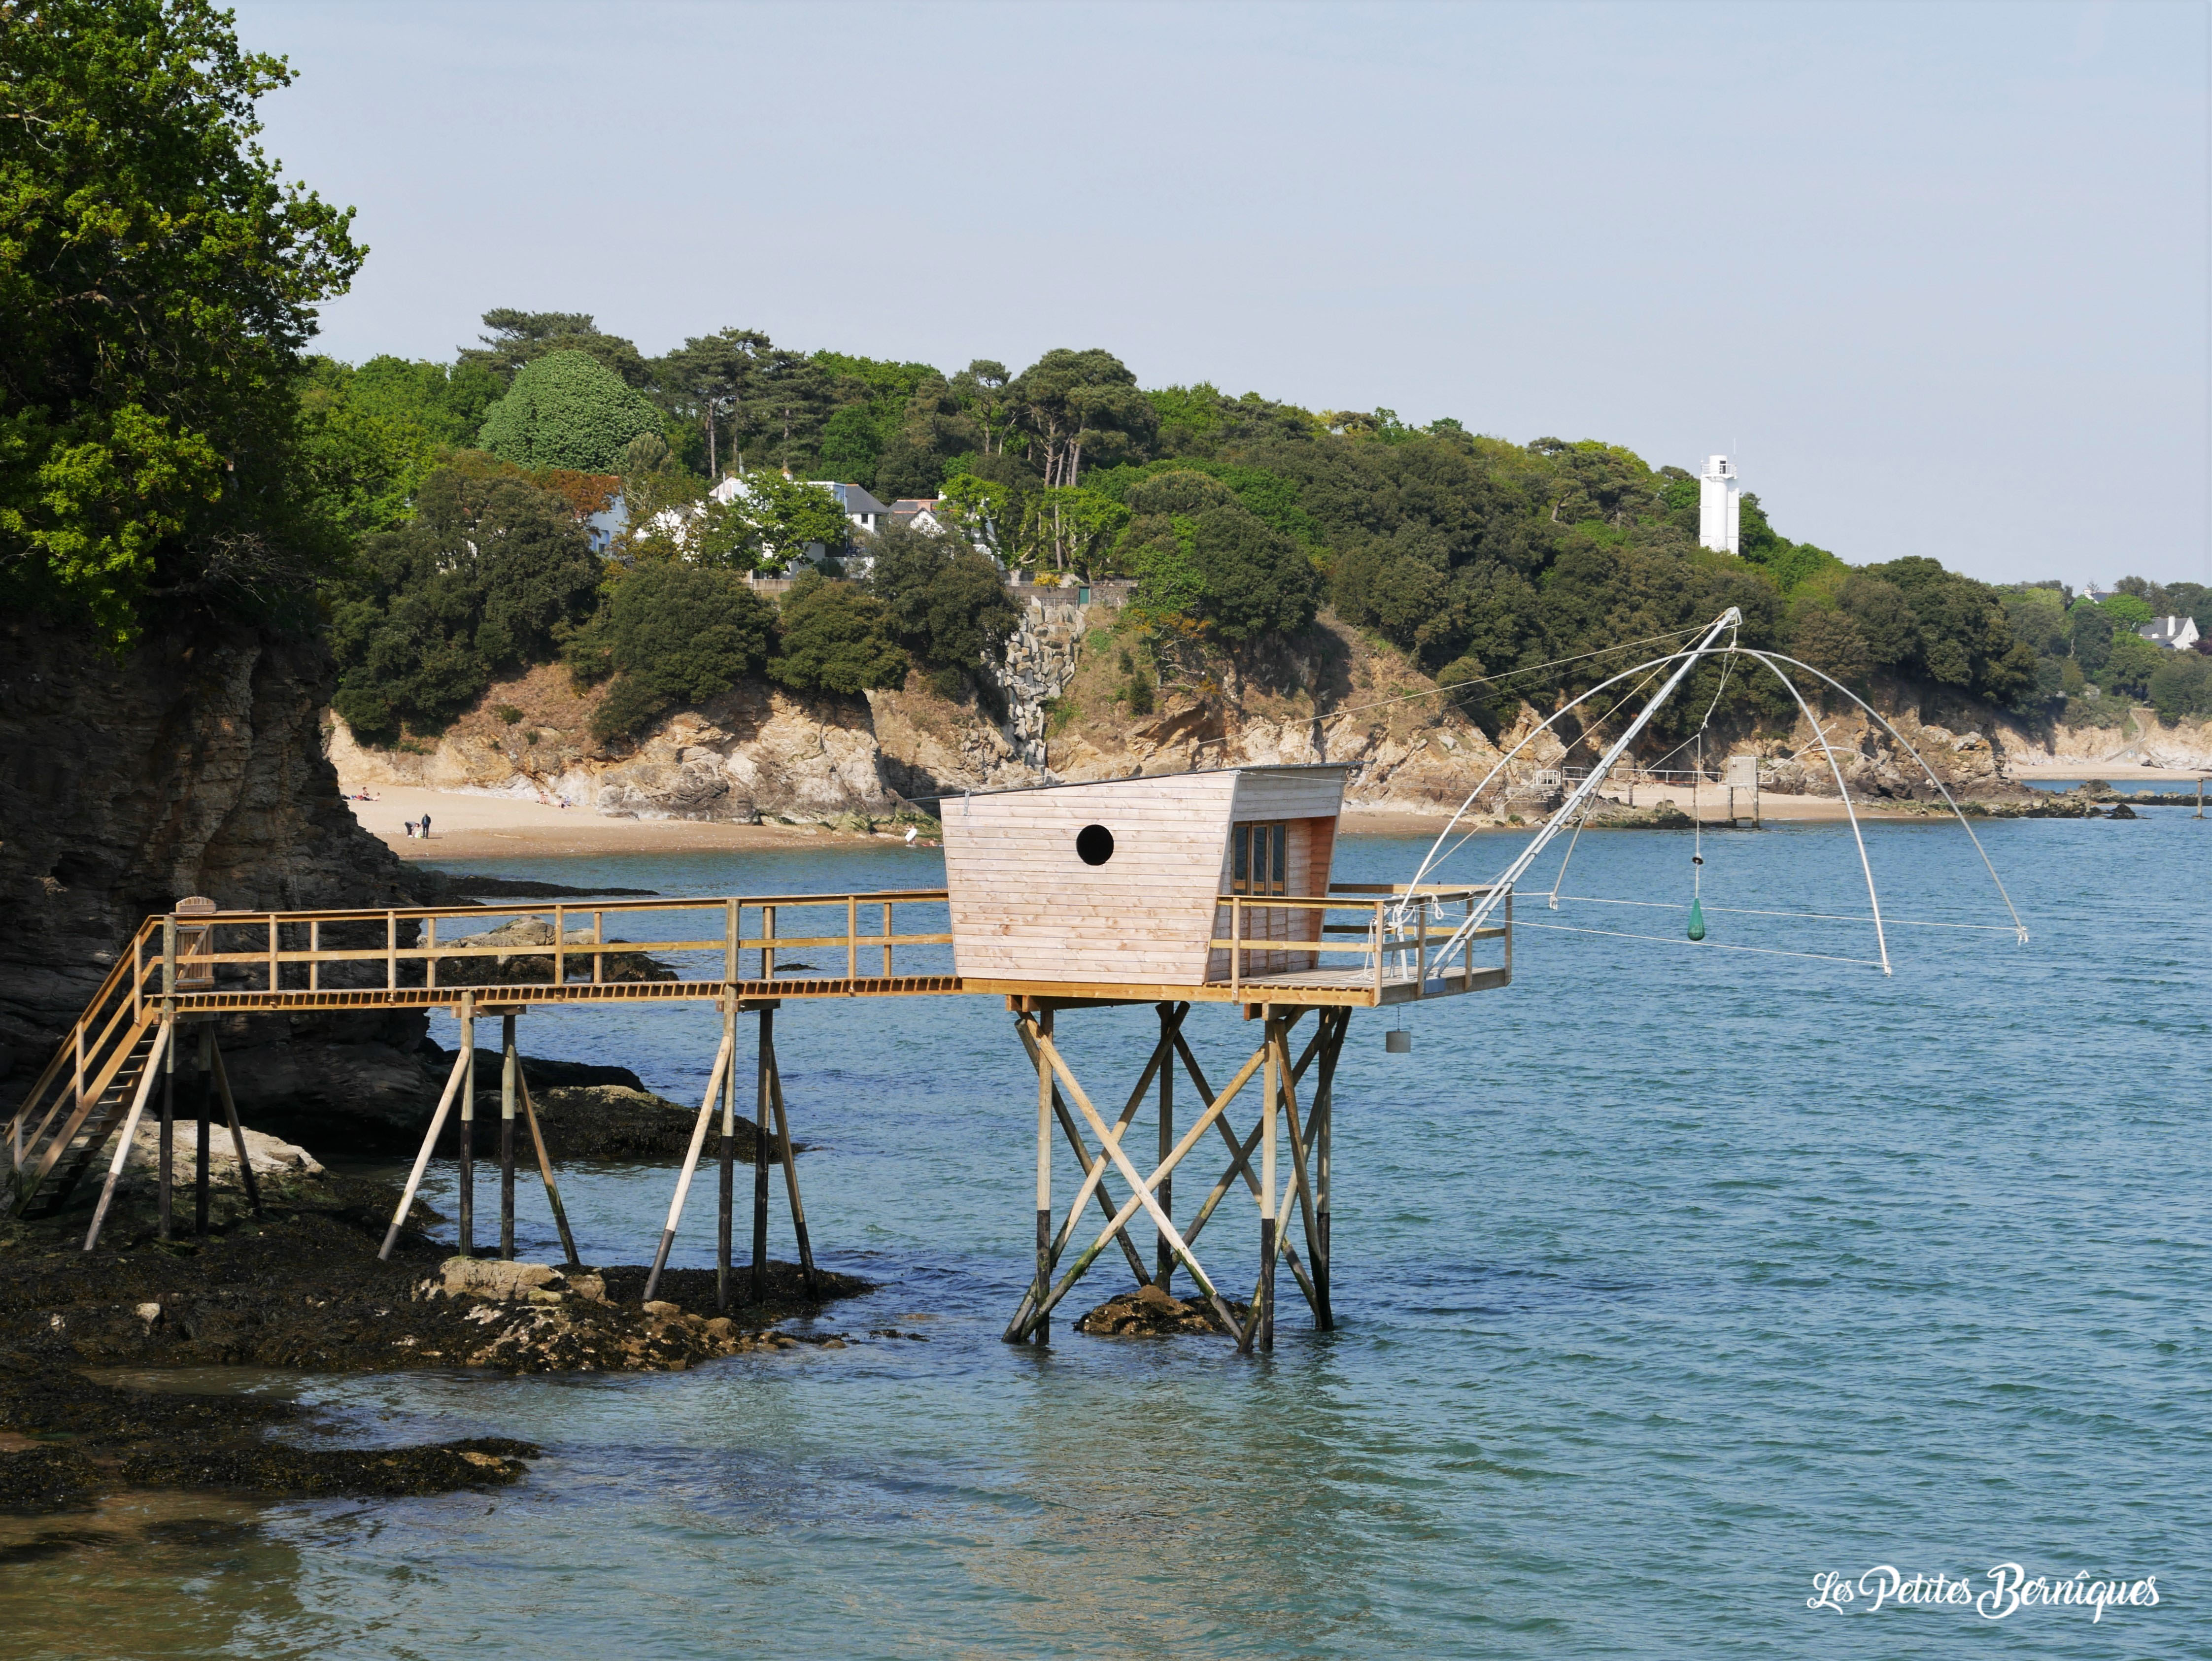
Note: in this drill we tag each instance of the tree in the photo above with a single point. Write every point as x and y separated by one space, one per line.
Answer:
2132 661
1884 617
672 634
946 602
1226 573
835 638
707 379
483 580
1831 641
2181 686
1068 402
517 340
158 280
568 409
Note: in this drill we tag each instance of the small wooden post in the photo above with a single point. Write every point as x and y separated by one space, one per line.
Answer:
723 1060
392 951
315 957
767 942
509 1065
203 1106
887 940
729 1155
430 952
761 1112
1164 1263
467 1247
729 951
852 937
560 948
1263 1299
1041 1332
276 969
599 938
454 1082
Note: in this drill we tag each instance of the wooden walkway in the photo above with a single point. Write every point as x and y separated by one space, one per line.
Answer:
156 1014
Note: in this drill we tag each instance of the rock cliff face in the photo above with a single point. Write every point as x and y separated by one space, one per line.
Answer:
1332 696
193 766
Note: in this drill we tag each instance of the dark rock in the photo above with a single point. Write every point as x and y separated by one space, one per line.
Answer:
1150 1312
2122 812
525 888
46 1479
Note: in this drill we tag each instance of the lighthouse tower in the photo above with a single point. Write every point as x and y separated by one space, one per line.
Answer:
1719 505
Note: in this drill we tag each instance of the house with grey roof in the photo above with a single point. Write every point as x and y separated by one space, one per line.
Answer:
2175 634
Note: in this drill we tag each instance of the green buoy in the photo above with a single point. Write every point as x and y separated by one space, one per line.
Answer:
1697 919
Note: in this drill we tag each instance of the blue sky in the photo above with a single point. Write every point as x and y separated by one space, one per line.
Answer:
1936 274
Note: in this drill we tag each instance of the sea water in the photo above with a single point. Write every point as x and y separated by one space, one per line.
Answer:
1669 1280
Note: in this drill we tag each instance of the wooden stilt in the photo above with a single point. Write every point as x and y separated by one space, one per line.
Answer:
237 1131
760 1157
168 1144
148 1083
204 1104
1040 1034
722 1060
509 1065
455 1081
1164 1261
727 1164
467 1246
1300 1185
1320 1125
545 1165
1263 1295
791 1176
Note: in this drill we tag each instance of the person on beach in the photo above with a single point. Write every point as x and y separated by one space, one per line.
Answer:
426 827
410 823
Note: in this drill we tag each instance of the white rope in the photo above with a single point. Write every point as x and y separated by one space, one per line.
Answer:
1704 945
1813 917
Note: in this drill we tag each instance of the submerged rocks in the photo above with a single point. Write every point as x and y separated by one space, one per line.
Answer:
538 970
614 1121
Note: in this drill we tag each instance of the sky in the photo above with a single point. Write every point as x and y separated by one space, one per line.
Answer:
1937 275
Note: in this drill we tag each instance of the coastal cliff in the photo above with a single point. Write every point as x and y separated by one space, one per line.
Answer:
194 765
1065 710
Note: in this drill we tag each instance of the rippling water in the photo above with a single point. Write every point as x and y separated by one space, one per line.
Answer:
1667 1278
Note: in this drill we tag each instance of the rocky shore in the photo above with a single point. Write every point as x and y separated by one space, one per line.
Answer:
300 1287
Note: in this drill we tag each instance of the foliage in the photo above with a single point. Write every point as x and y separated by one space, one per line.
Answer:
2131 663
946 602
670 634
1071 402
158 280
835 637
2181 686
2128 611
568 409
1833 642
481 582
516 339
1219 566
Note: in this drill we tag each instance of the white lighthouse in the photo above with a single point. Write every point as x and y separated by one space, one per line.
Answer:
1719 505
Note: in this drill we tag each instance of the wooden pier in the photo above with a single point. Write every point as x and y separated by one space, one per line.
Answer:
1221 897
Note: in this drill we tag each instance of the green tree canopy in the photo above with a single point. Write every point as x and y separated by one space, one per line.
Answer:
513 339
157 280
835 637
480 583
946 602
672 634
568 409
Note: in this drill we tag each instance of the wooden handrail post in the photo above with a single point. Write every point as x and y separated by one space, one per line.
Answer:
599 938
767 942
560 946
852 937
730 942
430 952
169 956
1235 946
314 960
276 973
392 951
887 940
1420 944
1378 951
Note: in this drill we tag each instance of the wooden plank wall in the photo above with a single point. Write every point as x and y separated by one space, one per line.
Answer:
1310 799
1024 907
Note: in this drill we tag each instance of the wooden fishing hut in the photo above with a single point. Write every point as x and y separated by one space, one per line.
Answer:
1177 891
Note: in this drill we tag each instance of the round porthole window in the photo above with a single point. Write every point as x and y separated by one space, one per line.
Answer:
1094 844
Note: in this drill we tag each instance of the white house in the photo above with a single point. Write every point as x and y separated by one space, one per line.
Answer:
1720 506
863 509
2176 634
919 513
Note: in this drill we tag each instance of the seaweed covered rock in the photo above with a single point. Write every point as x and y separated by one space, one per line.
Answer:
1150 1311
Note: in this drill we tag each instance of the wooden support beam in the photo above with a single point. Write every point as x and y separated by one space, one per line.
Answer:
790 1174
727 1165
250 1182
1037 1029
467 1207
164 1037
1172 1016
455 1082
509 1066
1262 1320
168 1138
761 1111
545 1166
204 1104
722 1060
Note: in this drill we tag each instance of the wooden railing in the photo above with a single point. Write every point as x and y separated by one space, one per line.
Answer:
1394 938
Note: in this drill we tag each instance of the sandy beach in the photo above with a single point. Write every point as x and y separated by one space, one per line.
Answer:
466 826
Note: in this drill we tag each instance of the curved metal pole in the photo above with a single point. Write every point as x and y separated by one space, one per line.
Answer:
1771 657
1480 914
1827 749
1433 858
